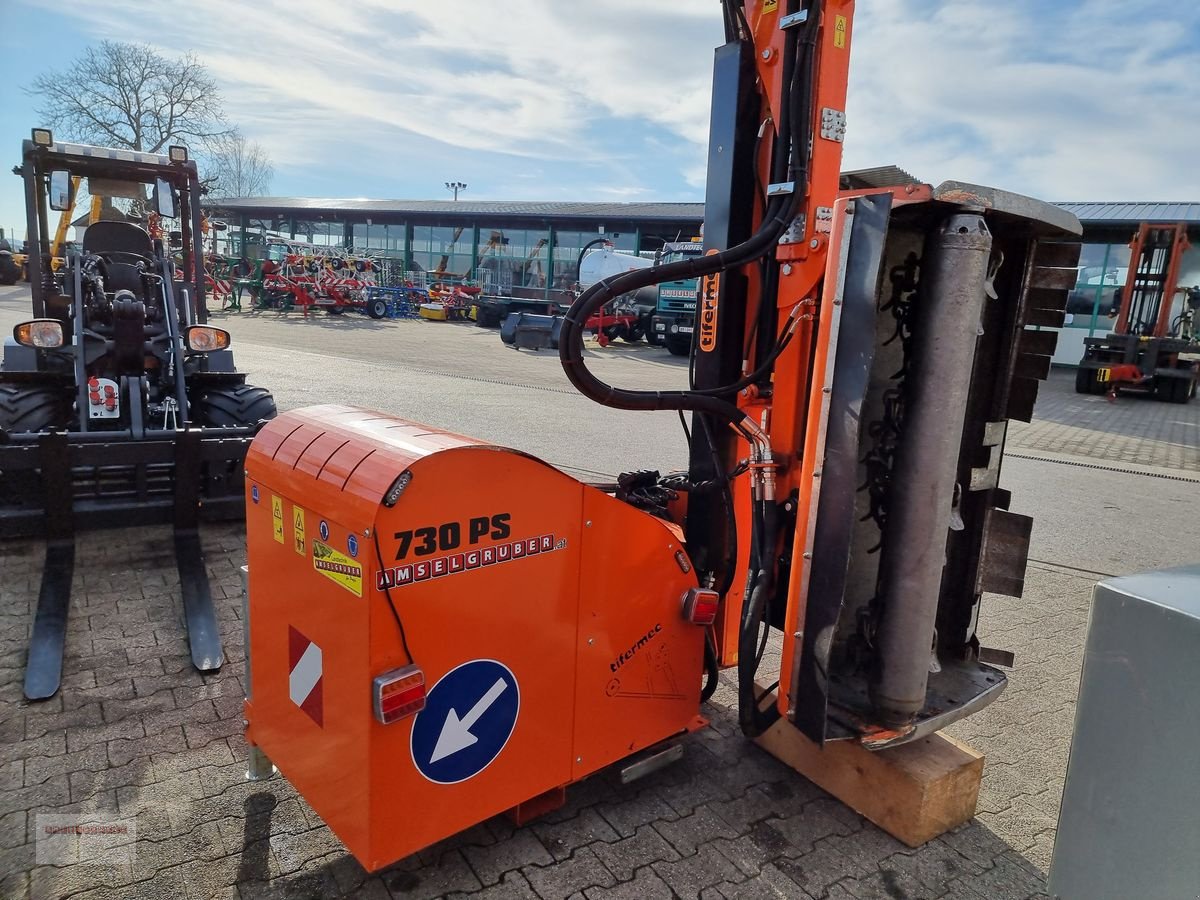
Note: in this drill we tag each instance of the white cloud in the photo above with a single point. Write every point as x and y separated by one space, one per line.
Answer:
1093 99
1089 100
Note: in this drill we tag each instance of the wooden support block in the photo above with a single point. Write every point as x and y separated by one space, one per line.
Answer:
914 791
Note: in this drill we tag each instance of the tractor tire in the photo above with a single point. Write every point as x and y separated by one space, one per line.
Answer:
377 308
488 318
612 332
1085 381
32 408
635 334
679 344
233 405
1174 390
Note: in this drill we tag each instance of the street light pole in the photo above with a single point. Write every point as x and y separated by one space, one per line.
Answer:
456 186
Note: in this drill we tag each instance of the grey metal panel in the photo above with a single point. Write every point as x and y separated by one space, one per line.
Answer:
966 194
1128 825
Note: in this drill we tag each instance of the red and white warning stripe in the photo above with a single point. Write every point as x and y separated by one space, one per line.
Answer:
305 675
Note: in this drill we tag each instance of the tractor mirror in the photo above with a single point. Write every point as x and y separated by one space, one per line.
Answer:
164 198
40 333
62 191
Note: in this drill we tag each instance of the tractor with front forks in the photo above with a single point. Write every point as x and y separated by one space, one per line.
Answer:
119 404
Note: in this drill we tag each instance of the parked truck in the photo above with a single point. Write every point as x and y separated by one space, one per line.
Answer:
675 309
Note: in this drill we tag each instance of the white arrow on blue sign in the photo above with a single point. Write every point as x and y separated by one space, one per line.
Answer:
469 716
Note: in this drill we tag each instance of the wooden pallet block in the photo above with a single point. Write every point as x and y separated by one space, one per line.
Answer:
914 791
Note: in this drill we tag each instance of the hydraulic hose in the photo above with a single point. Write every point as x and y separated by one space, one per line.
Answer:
780 212
791 159
711 669
571 338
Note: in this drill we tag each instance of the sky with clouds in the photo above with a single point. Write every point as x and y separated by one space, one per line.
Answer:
543 100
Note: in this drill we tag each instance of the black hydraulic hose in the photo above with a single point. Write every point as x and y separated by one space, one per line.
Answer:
711 670
571 338
752 720
778 215
755 376
583 252
731 534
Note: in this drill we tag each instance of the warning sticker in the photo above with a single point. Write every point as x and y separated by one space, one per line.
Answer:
298 528
337 567
770 6
839 32
277 517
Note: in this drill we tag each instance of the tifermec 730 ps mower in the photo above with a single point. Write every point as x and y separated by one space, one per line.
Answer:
118 404
464 649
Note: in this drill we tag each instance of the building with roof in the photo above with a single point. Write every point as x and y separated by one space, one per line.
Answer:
1104 264
542 241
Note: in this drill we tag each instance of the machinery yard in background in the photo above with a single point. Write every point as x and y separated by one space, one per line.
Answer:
474 646
119 405
296 275
1154 346
629 317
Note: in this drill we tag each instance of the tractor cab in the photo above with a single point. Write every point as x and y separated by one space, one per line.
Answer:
119 403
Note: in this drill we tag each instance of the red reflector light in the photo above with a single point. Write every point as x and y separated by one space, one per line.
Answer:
700 606
398 694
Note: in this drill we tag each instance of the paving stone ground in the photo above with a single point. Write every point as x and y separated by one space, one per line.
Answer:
1132 429
138 736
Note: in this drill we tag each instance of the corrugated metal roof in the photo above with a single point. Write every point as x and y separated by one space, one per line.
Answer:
1097 213
1089 213
878 176
684 212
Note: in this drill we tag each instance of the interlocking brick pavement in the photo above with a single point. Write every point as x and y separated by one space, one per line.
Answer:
1133 429
136 733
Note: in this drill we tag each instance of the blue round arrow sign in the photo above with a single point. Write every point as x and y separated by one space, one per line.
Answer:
468 718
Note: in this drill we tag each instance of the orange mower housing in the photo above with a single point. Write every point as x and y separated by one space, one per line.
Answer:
371 556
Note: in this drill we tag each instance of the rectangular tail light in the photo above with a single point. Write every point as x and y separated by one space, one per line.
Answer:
700 606
398 694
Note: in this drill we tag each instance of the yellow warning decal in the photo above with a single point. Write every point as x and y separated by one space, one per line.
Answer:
770 6
710 290
277 517
839 32
337 567
298 528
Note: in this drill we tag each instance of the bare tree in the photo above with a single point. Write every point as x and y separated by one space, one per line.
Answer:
128 96
237 167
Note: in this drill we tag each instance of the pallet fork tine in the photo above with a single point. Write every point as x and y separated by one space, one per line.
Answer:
43 671
199 614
